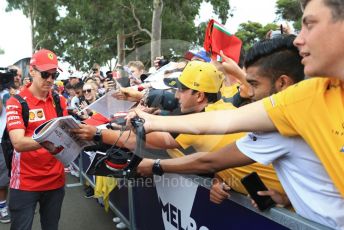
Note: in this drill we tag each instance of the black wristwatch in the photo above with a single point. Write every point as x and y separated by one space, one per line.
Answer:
97 138
157 169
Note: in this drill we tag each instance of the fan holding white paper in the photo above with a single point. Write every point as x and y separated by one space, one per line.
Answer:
107 105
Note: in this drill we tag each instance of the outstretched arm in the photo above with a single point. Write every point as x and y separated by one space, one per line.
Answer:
251 117
202 162
127 139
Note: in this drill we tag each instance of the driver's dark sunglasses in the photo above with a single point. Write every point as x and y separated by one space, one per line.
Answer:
45 75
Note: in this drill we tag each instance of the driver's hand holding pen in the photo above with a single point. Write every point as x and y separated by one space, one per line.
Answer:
85 132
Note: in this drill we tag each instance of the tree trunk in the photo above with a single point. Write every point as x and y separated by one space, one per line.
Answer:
137 54
156 30
32 24
120 48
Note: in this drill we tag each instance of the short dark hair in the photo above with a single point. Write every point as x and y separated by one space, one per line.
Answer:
79 85
69 86
276 57
336 7
213 97
241 57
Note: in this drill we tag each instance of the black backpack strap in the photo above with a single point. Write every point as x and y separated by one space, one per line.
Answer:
57 104
25 109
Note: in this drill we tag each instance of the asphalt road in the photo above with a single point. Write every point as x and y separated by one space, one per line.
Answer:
78 213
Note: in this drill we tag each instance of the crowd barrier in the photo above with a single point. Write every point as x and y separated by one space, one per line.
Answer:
181 202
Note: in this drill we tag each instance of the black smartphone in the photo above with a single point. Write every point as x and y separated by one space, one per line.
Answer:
109 76
253 184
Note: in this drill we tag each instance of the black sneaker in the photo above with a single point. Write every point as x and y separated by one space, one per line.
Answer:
89 192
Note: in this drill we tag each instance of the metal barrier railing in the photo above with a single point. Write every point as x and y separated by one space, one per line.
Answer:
281 216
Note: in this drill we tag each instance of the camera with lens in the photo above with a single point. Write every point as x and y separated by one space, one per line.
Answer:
7 77
162 99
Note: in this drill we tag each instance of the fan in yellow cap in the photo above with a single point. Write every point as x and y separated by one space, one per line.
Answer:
199 76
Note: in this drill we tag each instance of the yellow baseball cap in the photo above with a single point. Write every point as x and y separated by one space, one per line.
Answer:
202 77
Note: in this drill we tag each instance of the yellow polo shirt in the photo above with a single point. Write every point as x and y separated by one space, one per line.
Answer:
229 91
314 110
211 143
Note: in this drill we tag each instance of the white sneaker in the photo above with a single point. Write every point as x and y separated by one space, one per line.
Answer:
116 219
4 215
121 225
75 172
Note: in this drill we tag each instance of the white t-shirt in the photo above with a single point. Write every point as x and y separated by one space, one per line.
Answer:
303 177
74 102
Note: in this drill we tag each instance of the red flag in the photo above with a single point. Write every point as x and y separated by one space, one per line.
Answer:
96 119
217 38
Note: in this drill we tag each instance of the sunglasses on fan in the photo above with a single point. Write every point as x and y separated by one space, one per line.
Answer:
87 90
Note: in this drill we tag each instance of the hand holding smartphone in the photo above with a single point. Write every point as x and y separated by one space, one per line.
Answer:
253 184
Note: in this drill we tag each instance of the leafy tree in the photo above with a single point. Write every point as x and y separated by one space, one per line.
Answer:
177 22
251 32
201 33
222 9
2 51
42 14
86 31
290 10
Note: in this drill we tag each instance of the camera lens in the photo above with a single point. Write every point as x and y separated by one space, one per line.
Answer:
6 78
163 62
162 99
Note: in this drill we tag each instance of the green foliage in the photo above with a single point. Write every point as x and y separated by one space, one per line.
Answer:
2 51
290 10
178 21
251 32
88 32
201 32
221 8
